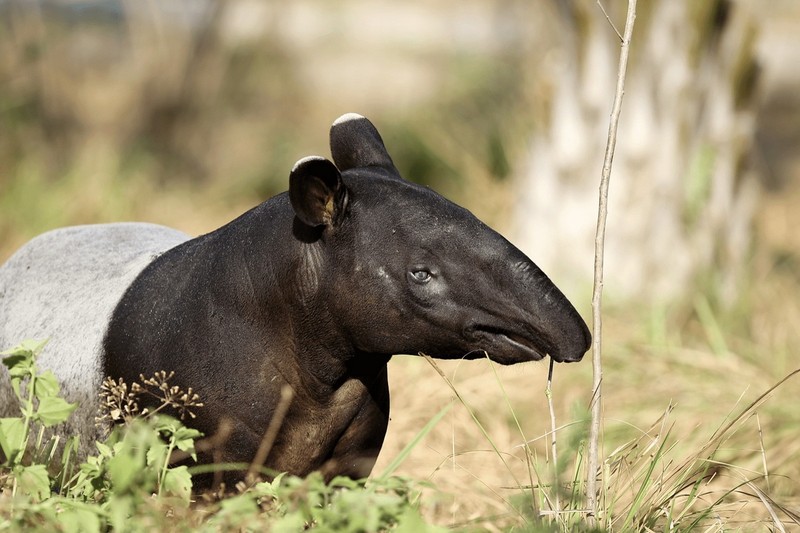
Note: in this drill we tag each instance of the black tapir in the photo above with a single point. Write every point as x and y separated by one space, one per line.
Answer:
315 288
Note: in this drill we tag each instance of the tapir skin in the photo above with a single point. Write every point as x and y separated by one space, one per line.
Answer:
315 288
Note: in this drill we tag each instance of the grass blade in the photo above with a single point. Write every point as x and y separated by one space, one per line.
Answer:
474 417
406 451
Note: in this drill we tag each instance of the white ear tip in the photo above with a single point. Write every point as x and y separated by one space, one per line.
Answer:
306 160
347 117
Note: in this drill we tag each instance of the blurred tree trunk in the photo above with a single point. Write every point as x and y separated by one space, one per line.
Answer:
683 191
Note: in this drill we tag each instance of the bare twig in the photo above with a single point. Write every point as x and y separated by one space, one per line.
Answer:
272 432
599 246
603 9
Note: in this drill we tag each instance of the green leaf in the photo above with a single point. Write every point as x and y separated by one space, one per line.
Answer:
178 482
46 385
235 508
20 358
18 363
165 423
346 483
69 452
78 521
185 437
34 481
123 469
54 410
157 455
104 449
121 509
29 346
291 523
269 489
90 479
12 434
411 522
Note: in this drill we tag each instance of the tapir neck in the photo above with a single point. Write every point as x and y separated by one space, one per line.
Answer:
286 275
239 313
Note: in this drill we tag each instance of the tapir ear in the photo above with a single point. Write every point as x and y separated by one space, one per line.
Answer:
316 191
356 143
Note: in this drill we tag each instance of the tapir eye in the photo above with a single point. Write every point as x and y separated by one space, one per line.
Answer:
420 276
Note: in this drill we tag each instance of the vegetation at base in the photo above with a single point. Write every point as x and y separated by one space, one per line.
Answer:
650 483
130 484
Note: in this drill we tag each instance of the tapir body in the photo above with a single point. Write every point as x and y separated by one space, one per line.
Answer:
315 289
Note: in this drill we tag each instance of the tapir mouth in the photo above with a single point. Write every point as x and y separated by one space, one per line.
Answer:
506 346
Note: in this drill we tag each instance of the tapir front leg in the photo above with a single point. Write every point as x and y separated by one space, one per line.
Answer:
358 447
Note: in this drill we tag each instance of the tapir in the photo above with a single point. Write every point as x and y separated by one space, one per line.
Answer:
315 288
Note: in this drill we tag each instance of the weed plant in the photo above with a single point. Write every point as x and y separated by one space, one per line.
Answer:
132 484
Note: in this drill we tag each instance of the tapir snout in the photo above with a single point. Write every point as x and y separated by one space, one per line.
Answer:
520 315
564 334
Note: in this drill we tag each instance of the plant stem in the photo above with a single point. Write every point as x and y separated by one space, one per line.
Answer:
162 474
549 394
599 247
27 414
763 452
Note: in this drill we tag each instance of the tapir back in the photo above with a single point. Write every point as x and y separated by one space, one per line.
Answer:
63 286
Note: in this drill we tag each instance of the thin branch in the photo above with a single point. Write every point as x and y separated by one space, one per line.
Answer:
272 432
611 22
592 469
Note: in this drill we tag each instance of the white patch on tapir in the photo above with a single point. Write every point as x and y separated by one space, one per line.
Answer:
57 294
347 117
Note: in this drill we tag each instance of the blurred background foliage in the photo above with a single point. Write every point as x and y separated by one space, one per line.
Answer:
187 113
115 109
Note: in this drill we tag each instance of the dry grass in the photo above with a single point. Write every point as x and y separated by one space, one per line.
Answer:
698 390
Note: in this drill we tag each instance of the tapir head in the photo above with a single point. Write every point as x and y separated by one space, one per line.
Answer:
403 270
